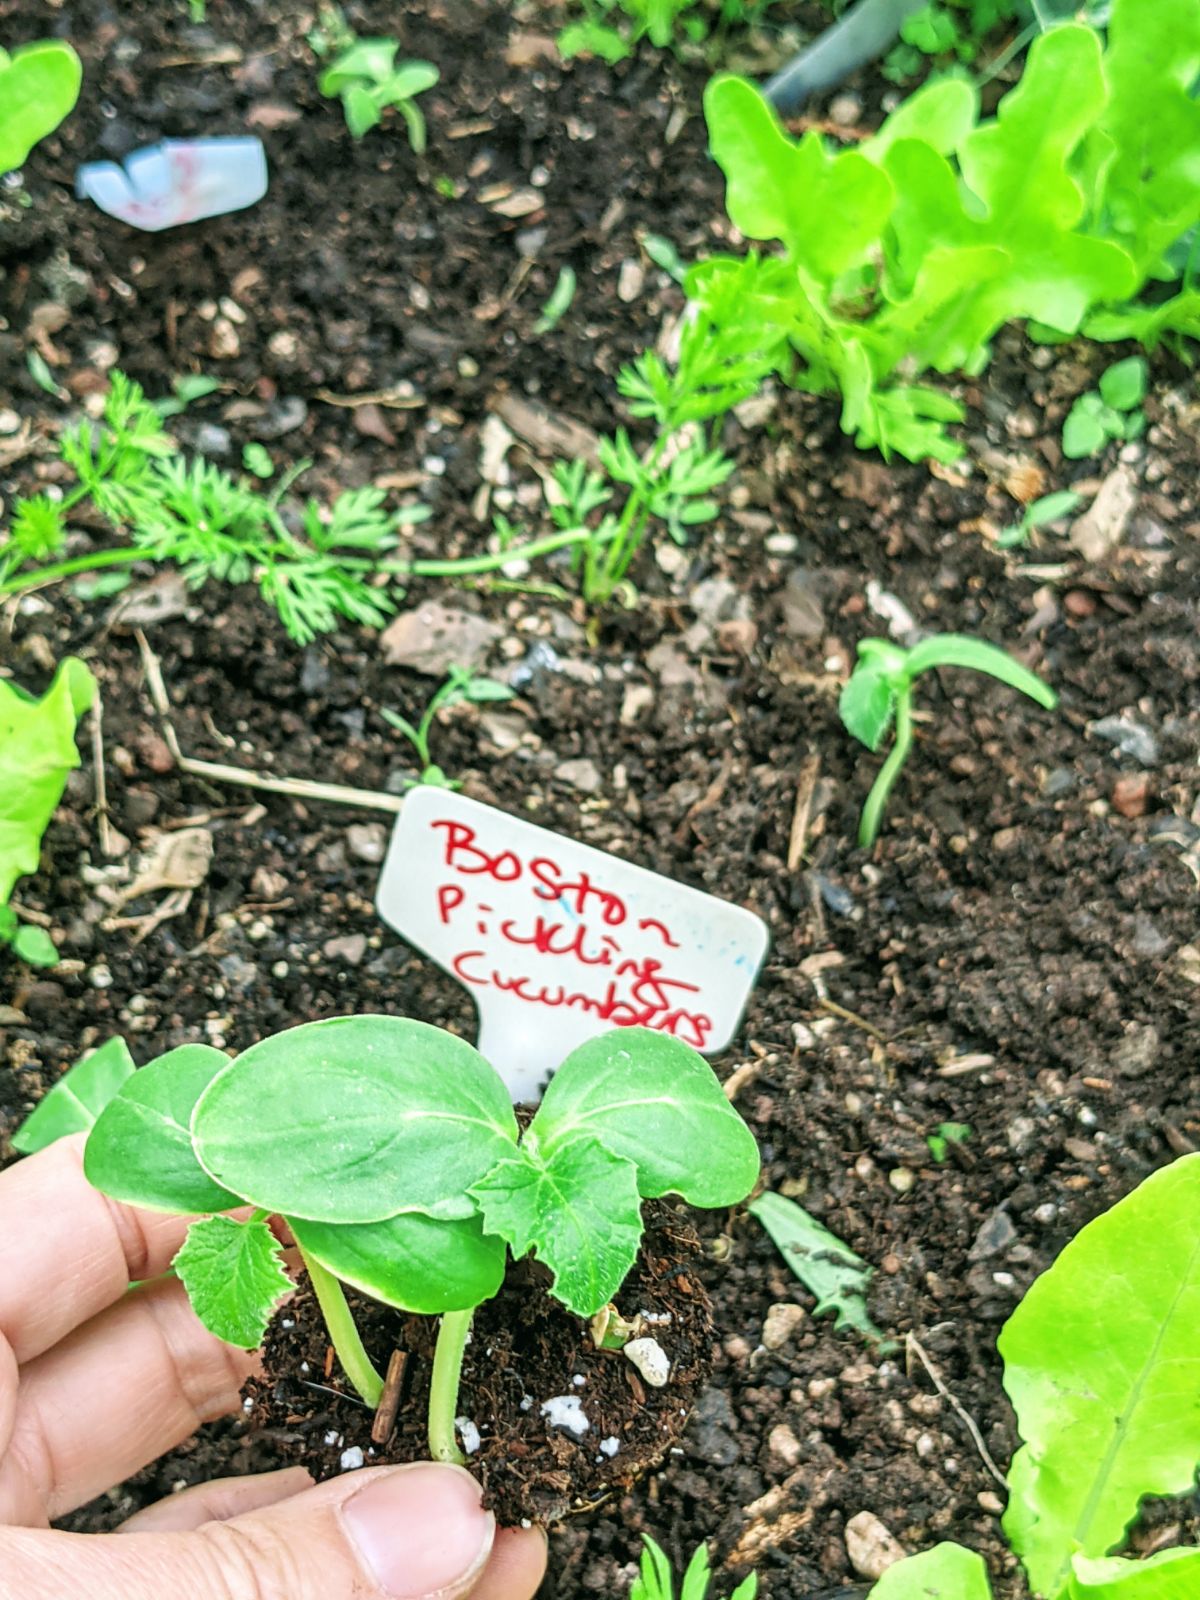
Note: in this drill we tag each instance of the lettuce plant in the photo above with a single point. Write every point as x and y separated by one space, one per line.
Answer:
37 751
1102 1365
391 1151
879 691
39 85
909 252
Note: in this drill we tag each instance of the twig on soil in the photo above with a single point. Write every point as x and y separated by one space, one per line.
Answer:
802 814
851 1016
914 1347
710 798
217 772
393 399
389 1400
111 842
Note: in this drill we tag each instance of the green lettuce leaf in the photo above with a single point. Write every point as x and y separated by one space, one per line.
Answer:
947 1572
1170 1575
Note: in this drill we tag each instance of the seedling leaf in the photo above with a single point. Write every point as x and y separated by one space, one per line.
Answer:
577 1206
1169 1575
1103 1367
234 1276
355 1119
867 703
1123 386
650 1098
73 1103
947 1572
411 1261
825 1266
140 1150
35 946
39 85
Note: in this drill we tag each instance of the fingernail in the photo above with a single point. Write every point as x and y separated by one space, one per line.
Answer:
421 1531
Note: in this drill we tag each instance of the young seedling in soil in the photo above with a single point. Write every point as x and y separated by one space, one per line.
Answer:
1114 411
656 1581
391 1152
1039 514
37 752
880 689
1102 1366
39 85
365 75
463 687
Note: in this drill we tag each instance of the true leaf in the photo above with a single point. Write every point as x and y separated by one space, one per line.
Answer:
234 1276
1123 385
140 1150
73 1103
1102 1365
867 702
355 1119
947 1572
650 1098
1169 1575
412 1261
826 1266
39 85
577 1206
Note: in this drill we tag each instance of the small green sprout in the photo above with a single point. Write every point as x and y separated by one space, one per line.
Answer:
39 85
391 1150
368 79
946 1134
256 458
559 302
1112 412
1039 514
656 1581
880 690
186 388
463 687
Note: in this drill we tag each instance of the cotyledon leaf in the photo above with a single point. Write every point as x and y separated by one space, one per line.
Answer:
73 1103
418 1263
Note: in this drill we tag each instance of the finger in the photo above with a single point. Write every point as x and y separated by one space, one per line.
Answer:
516 1568
217 1501
112 1397
68 1251
398 1533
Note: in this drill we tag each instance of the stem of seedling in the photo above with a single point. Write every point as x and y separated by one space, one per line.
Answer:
443 1389
343 1333
41 576
872 812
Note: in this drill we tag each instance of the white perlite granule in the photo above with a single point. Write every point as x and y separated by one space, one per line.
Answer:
566 1411
469 1434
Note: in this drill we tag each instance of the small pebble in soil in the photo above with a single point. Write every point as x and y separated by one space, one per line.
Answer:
651 1360
901 1179
871 1546
566 1411
781 1322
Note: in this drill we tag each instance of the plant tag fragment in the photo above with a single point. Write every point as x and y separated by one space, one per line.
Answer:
559 942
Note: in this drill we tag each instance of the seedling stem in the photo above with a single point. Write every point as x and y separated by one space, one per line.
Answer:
344 1334
443 1389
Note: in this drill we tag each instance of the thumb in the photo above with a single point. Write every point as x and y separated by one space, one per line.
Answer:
390 1533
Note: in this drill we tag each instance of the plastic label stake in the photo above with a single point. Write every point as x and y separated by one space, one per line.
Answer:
559 942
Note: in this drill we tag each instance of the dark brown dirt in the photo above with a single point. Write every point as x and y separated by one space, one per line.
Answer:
525 1349
1017 953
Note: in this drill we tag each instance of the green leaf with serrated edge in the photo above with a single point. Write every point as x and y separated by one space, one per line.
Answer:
73 1103
1102 1365
1149 325
37 751
960 650
866 704
234 1276
654 1100
140 1150
826 1267
940 114
1170 1575
778 188
39 85
947 1572
355 1119
412 1261
576 1206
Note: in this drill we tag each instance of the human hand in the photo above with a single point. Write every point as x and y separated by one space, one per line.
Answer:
96 1381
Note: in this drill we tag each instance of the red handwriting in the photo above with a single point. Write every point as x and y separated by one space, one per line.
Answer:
625 988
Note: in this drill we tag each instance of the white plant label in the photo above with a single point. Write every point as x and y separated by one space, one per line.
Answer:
559 942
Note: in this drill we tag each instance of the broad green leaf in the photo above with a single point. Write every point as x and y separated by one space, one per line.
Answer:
576 1205
1102 1365
941 114
39 85
827 1267
73 1103
37 751
355 1119
960 650
947 1572
140 1150
412 1261
650 1098
1170 1575
827 209
1148 324
866 704
1123 385
234 1276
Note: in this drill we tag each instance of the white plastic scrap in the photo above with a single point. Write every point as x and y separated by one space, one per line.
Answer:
566 1411
469 1434
651 1360
177 181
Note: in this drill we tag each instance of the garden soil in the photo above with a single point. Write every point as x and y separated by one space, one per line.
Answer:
1019 953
